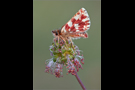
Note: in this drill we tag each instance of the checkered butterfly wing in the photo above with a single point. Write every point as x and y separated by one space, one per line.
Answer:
77 26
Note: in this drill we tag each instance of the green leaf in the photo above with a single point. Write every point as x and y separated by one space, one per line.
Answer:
66 41
55 56
56 44
54 53
54 59
63 51
59 54
64 59
70 56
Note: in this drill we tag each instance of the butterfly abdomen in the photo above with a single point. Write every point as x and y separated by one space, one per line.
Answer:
82 34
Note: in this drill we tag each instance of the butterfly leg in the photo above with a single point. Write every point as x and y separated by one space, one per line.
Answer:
55 38
64 40
58 41
72 44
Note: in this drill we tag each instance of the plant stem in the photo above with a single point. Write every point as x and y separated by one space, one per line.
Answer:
79 80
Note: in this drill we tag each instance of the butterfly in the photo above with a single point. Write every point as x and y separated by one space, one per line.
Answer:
75 28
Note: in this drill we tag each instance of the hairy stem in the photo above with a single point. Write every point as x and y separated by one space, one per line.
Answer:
79 80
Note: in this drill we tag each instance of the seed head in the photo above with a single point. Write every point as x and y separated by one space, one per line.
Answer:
64 54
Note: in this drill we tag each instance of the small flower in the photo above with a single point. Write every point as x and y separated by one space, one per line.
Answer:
64 55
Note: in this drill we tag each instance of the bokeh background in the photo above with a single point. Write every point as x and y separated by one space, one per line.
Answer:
50 15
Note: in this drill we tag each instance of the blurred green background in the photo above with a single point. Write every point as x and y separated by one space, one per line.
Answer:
50 15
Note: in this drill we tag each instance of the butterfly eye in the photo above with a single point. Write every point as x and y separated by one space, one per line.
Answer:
56 33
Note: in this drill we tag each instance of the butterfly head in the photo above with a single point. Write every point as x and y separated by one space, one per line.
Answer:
56 32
